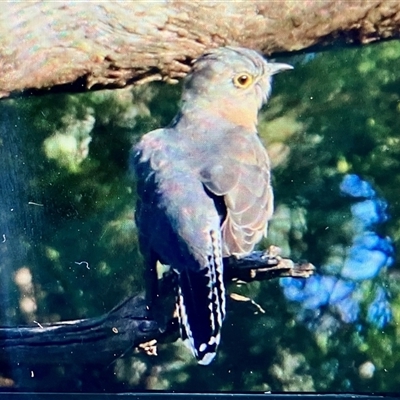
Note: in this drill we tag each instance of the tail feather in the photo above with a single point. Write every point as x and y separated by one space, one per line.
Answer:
201 306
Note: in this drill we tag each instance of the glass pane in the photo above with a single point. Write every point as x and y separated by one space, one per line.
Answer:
69 247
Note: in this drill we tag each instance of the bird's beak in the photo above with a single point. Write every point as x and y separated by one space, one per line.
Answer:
278 67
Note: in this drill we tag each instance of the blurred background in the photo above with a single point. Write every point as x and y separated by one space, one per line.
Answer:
68 245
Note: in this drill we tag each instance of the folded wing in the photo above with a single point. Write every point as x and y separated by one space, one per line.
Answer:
242 178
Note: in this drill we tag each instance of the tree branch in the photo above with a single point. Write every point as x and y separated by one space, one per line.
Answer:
109 44
103 339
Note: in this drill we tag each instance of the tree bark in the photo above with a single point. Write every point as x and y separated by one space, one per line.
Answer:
92 45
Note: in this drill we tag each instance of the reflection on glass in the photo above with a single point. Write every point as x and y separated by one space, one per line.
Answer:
68 245
342 292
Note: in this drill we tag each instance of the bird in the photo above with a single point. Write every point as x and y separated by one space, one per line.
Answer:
204 187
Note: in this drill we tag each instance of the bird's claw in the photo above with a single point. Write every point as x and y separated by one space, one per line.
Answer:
150 348
286 266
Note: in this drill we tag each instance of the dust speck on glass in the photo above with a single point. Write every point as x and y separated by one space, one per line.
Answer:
69 244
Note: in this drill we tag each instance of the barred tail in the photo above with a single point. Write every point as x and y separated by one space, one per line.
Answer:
202 306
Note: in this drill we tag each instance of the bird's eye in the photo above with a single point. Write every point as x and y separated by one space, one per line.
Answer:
243 80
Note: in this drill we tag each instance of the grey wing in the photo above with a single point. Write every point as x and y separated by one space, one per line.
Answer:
242 178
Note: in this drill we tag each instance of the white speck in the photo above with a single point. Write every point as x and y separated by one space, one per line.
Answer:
32 374
32 203
83 262
207 359
38 324
4 238
213 340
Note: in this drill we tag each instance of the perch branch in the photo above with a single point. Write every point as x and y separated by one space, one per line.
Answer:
128 325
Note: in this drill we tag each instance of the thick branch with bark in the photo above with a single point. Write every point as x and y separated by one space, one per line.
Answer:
112 44
129 325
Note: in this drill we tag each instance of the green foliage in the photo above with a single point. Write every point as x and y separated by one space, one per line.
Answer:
336 114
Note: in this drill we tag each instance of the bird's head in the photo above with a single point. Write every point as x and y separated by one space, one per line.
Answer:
232 82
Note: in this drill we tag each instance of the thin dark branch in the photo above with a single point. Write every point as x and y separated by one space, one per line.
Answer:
129 325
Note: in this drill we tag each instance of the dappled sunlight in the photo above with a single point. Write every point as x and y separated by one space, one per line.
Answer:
69 246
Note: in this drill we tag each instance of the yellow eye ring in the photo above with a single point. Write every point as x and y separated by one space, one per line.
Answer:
243 80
